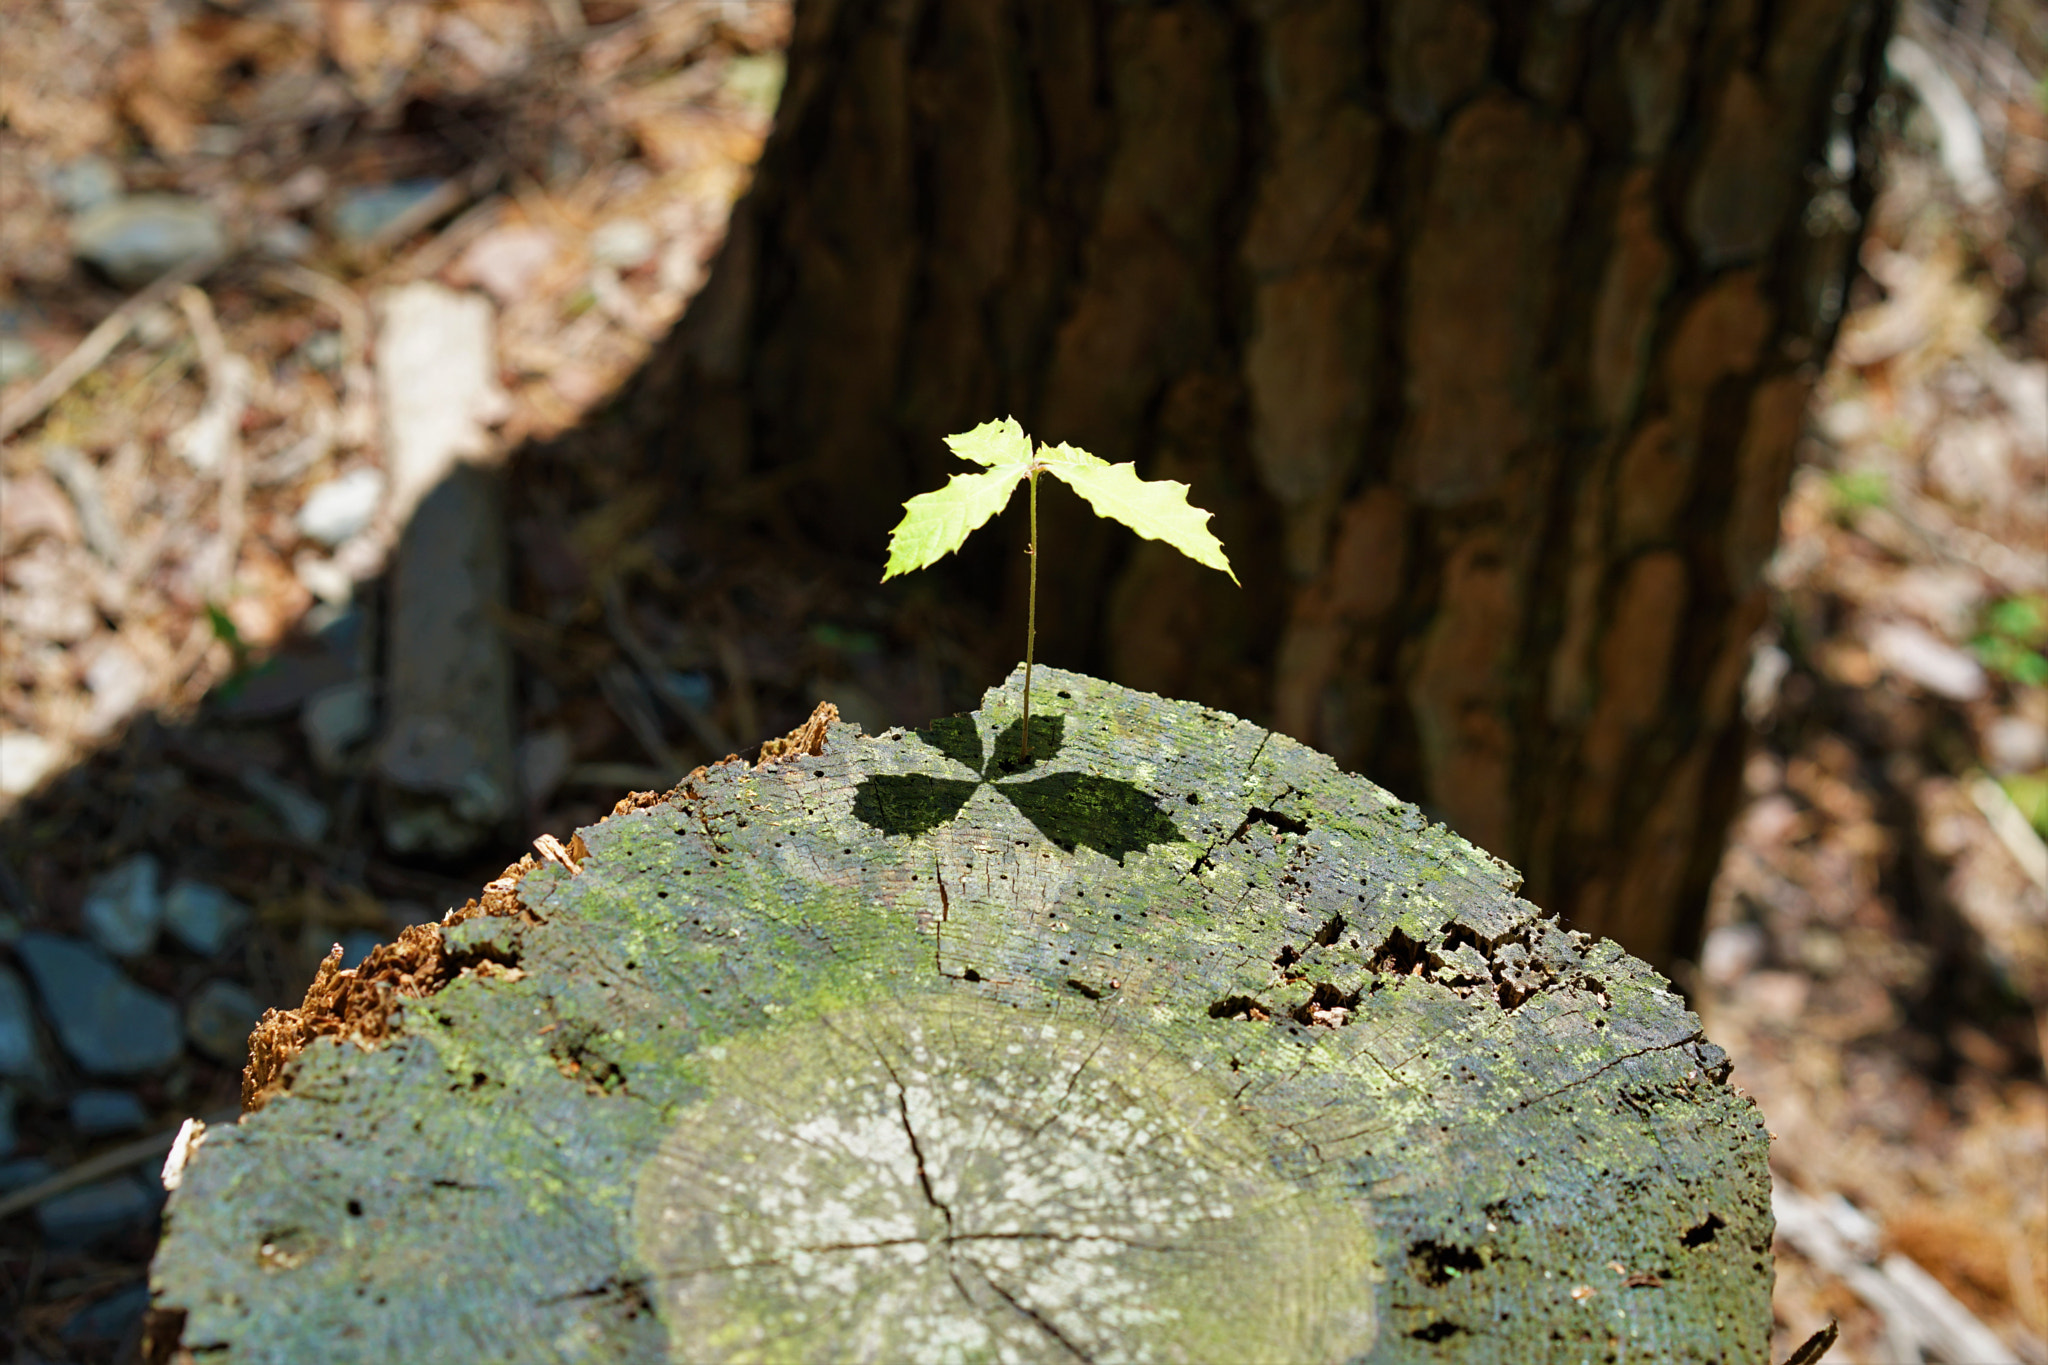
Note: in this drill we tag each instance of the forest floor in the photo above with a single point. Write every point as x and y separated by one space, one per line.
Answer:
195 525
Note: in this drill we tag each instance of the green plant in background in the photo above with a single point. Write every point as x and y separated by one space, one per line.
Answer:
241 670
1853 490
2029 795
2011 642
936 524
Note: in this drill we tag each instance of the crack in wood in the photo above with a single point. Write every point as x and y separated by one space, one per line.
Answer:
1036 1318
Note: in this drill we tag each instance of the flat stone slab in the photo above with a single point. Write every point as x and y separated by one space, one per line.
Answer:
110 1025
1169 1041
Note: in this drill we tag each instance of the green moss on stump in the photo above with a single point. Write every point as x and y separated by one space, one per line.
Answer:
1170 1043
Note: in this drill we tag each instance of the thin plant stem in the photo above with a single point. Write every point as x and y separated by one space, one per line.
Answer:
1031 617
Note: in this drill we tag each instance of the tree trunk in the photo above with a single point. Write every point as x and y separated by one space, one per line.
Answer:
1170 1042
1486 328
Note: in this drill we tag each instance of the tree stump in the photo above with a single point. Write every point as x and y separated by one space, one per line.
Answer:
1168 1041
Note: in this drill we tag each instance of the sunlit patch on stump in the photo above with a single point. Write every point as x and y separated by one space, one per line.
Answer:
949 1179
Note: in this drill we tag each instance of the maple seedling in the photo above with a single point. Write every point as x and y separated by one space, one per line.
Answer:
936 524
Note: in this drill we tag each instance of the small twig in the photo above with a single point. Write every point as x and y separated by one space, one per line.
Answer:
2012 570
199 316
568 18
357 423
655 672
1841 1241
733 662
80 478
347 308
100 1166
199 639
2010 824
301 455
628 700
98 345
430 259
227 379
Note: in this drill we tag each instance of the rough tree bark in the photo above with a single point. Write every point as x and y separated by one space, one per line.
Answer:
1172 1042
1487 327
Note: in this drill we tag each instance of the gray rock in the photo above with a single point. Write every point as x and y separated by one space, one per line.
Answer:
8 1137
286 240
112 1318
109 1025
2015 744
544 759
324 351
302 814
86 183
1914 653
202 917
694 688
1732 952
337 719
21 1052
96 1113
438 387
219 1017
445 759
123 908
18 359
623 243
25 760
94 1214
360 214
135 240
23 1172
336 510
284 683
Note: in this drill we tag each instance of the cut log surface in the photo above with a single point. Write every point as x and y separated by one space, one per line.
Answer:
1169 1041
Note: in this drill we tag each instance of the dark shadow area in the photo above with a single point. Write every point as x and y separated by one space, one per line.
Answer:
1073 810
549 636
571 619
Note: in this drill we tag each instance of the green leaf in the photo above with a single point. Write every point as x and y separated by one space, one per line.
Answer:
997 445
936 524
1155 508
1855 489
2025 619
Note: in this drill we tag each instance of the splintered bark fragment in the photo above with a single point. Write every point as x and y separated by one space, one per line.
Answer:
1168 1041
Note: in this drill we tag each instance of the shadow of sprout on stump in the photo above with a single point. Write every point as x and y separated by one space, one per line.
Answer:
1071 809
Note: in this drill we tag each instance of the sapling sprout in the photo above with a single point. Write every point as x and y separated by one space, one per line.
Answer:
936 524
